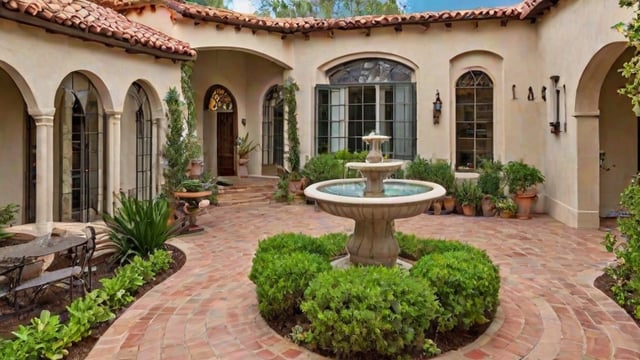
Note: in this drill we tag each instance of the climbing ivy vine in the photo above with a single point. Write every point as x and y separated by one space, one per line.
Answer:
193 147
631 69
290 87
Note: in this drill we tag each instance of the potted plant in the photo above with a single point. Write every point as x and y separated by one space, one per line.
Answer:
7 216
245 147
506 206
468 195
521 180
440 172
490 184
193 195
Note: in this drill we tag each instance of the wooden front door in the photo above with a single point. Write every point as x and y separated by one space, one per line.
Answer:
226 143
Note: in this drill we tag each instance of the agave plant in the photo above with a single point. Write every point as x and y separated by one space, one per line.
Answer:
139 227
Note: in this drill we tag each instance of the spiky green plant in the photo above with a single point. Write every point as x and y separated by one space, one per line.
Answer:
140 227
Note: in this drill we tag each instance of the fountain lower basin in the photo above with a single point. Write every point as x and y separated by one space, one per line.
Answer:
372 241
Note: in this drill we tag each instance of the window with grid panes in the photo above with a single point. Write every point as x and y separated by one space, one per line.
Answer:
474 119
364 96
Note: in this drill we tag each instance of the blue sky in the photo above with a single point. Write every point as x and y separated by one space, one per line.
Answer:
246 6
437 5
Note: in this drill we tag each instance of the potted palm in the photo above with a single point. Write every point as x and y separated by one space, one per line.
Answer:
468 195
245 147
521 180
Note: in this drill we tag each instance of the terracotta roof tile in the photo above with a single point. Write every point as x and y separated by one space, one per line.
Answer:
88 20
525 9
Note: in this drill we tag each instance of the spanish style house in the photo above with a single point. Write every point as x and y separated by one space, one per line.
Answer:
82 83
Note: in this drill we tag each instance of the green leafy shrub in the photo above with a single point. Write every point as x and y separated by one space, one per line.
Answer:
440 172
417 169
46 337
413 247
283 280
323 167
375 311
327 246
8 214
490 179
626 271
465 282
282 193
139 227
520 176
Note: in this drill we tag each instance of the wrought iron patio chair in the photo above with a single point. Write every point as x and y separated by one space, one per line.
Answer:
79 271
10 274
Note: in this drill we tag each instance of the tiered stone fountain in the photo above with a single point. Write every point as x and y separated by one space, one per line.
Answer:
374 202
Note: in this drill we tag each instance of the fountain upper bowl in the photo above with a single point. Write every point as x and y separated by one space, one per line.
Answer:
375 207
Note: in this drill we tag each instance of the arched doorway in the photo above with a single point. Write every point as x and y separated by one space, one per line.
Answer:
79 150
618 134
221 124
272 131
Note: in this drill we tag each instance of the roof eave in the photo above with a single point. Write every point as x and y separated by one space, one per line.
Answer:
84 35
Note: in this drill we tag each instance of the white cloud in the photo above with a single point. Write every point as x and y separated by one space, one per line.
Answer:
243 6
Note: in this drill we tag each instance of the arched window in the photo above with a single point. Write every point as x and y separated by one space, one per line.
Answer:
273 127
363 96
144 142
474 119
80 150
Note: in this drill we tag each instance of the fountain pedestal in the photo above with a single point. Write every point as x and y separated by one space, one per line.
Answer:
372 243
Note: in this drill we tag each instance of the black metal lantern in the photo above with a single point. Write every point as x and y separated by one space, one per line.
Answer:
437 109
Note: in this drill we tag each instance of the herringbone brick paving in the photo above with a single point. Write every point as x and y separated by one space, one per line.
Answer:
549 308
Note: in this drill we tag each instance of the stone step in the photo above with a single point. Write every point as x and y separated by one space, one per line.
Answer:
247 190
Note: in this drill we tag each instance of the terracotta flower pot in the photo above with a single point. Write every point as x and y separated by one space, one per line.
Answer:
437 207
506 214
449 203
469 210
525 202
488 206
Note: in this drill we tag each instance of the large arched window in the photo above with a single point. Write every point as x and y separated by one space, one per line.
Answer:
80 150
474 119
363 96
144 142
273 127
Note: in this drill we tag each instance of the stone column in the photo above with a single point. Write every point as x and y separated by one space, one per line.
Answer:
588 150
113 159
44 169
158 129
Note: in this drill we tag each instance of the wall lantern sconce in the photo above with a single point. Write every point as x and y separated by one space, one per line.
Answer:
244 122
437 109
555 125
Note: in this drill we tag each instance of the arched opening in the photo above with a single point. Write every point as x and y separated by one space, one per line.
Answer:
272 131
17 144
618 134
367 95
137 145
474 119
79 151
220 130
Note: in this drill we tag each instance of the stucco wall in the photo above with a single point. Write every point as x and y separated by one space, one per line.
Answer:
568 37
12 144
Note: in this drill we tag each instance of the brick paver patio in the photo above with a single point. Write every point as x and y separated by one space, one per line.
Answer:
549 307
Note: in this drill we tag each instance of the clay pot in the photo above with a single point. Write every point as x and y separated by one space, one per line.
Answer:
506 214
449 203
437 207
525 202
488 206
469 210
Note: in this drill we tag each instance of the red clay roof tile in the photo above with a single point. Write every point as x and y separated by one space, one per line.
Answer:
525 10
106 25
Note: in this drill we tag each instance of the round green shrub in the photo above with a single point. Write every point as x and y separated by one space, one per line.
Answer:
327 246
281 283
466 284
413 247
323 167
374 311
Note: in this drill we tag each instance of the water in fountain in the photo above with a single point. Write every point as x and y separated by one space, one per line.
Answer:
374 203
